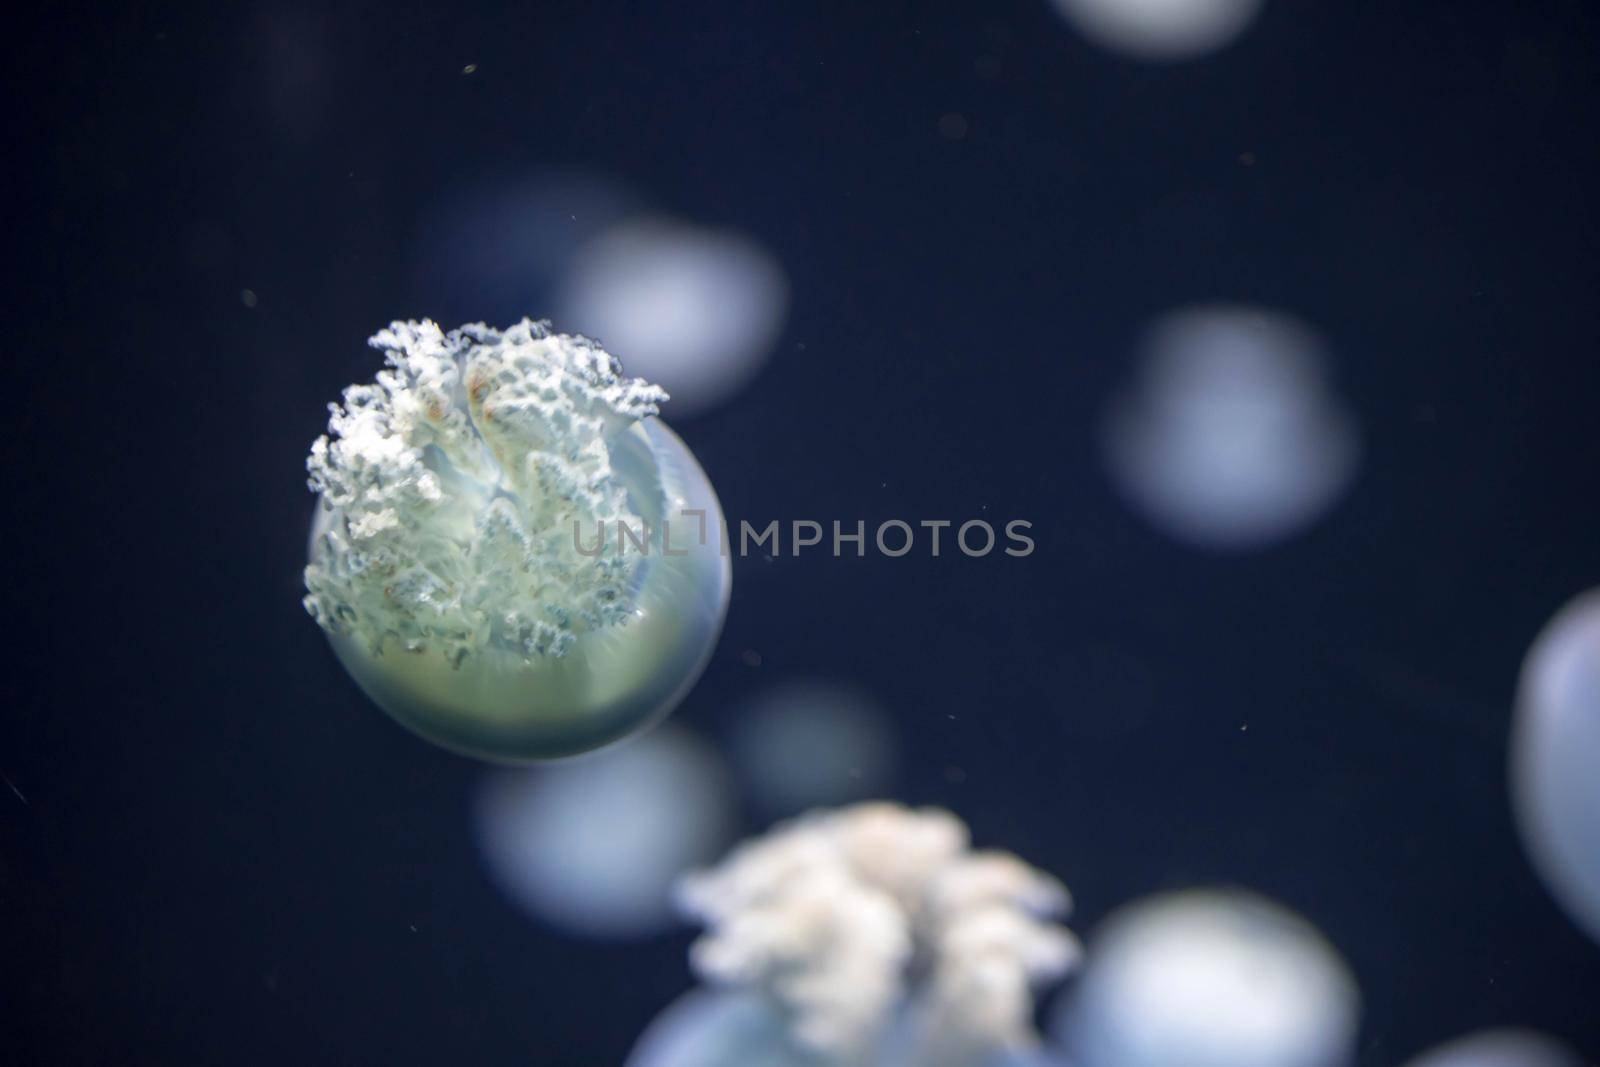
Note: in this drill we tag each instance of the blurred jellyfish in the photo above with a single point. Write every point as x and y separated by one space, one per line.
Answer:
1210 979
698 310
710 1028
494 251
594 846
1160 29
865 937
468 560
1500 1048
1231 439
1555 758
713 1029
809 744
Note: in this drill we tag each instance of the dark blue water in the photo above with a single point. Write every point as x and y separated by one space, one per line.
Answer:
213 850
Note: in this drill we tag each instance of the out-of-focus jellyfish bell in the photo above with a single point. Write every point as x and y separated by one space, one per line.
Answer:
1500 1048
723 1029
1210 979
697 310
1231 440
594 846
807 744
731 1028
1160 29
511 555
1555 758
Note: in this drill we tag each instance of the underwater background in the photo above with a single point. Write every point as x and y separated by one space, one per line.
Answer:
213 849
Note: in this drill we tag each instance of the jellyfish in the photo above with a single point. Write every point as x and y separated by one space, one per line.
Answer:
1500 1048
868 936
714 1028
1161 30
512 555
1555 750
722 1028
594 846
1232 439
1210 979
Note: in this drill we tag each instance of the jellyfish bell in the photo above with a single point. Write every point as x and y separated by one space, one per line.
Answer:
741 1028
511 555
1231 439
1500 1048
594 846
725 1029
907 1045
1160 30
1210 979
1555 749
